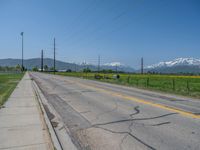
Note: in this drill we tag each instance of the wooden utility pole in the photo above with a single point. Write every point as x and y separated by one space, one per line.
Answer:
75 67
42 61
98 63
142 66
54 60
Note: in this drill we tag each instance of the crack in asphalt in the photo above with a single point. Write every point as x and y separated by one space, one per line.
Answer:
137 111
163 123
128 133
122 141
153 125
133 119
157 124
84 112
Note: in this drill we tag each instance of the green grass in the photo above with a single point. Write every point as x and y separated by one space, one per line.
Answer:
8 83
181 85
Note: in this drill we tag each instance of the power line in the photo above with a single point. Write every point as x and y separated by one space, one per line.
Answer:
92 5
122 26
97 29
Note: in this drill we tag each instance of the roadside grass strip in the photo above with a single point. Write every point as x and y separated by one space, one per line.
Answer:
8 83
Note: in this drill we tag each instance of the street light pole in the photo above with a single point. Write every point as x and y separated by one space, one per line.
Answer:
22 34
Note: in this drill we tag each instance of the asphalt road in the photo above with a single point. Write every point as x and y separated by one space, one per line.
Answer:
111 117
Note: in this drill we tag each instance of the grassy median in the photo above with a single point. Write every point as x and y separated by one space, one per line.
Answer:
177 84
8 82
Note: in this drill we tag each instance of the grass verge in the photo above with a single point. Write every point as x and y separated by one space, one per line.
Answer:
180 85
8 82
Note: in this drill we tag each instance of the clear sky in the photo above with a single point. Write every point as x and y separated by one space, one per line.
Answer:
117 30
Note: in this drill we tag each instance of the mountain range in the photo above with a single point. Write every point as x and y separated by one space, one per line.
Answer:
179 65
60 65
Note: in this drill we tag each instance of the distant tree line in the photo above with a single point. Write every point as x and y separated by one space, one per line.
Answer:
46 68
88 70
8 68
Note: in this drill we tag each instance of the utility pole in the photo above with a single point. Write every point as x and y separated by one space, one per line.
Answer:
75 67
42 61
142 66
98 63
54 60
22 67
116 69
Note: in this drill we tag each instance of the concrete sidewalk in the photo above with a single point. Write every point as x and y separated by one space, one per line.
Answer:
22 124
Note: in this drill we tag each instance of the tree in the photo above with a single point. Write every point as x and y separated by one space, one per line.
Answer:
46 67
107 71
52 68
86 70
35 68
18 67
68 70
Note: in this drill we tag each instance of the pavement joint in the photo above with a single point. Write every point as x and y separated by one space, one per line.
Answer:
21 126
22 146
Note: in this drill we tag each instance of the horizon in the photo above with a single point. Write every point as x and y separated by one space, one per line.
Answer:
118 31
105 64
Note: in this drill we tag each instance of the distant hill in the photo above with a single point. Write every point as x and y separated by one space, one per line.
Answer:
176 66
60 65
36 62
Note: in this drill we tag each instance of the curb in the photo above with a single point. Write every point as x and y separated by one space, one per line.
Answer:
56 143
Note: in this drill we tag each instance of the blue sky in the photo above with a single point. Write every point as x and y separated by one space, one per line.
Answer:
117 30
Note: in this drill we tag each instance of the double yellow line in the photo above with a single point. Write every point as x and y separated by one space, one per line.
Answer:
181 112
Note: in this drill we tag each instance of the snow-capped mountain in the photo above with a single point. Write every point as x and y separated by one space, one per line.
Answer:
176 62
179 65
113 64
117 65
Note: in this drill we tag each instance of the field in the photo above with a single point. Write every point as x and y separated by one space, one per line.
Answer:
8 82
182 85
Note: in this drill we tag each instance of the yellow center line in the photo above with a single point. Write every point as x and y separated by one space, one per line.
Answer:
181 112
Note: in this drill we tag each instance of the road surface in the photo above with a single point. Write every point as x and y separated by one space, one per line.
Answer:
111 117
